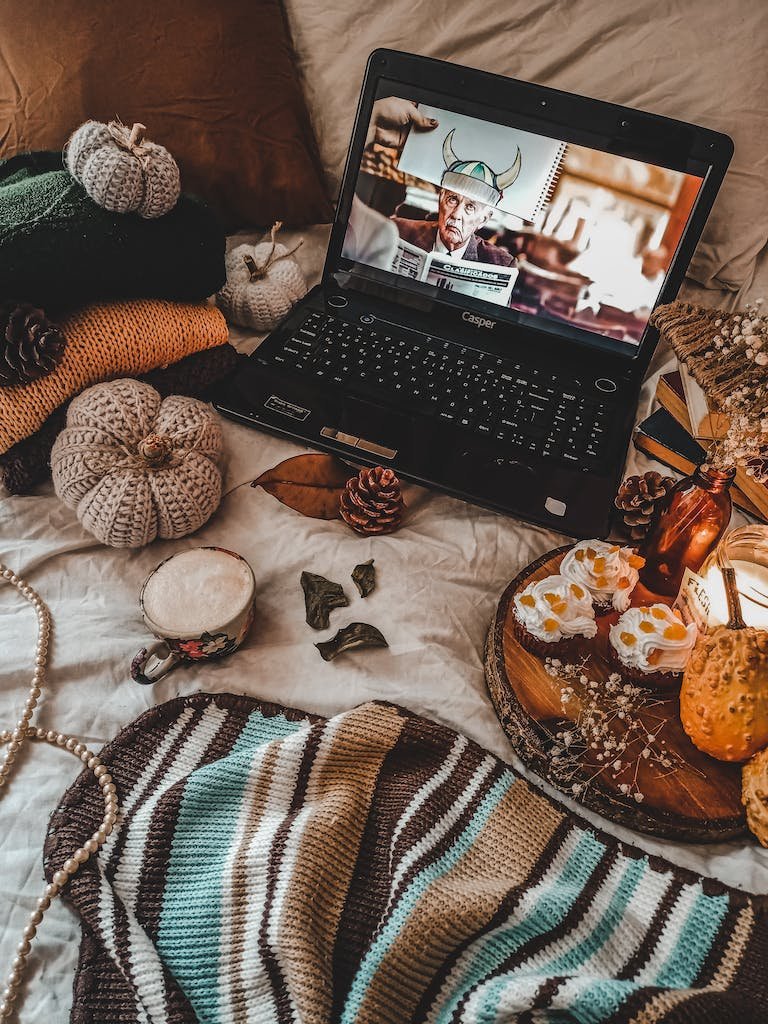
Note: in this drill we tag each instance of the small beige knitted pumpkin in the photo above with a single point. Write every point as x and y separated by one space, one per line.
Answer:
122 171
263 284
135 467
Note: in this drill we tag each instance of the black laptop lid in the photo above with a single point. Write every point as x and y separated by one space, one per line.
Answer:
523 208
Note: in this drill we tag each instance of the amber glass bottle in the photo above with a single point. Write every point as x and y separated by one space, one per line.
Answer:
686 526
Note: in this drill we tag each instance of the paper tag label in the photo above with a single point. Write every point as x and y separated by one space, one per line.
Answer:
693 600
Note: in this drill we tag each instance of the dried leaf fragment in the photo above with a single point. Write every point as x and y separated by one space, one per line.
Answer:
321 596
356 634
364 578
309 484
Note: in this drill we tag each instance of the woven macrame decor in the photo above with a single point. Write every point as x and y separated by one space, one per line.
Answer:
267 865
699 337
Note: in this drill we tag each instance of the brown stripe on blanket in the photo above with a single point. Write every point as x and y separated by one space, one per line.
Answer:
237 966
643 952
722 960
370 888
144 748
157 849
448 839
499 859
99 1000
269 955
712 1006
448 798
538 943
339 792
101 993
506 907
732 968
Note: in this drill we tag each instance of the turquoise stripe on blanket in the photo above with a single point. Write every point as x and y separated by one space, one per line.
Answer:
421 883
551 908
190 924
600 1002
553 903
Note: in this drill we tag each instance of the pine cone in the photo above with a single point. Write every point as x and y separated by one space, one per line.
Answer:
30 346
637 499
372 501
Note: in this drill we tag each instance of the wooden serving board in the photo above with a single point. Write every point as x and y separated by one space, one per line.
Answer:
698 801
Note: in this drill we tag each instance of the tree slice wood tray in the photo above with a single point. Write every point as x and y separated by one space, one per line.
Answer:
698 801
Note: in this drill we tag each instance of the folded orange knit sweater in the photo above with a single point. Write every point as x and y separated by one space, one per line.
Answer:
105 340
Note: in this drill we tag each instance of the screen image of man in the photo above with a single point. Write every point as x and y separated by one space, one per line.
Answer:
469 190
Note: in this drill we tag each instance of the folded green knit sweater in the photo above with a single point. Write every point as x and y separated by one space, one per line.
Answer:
59 249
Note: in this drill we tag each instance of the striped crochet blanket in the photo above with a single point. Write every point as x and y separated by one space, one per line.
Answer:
376 867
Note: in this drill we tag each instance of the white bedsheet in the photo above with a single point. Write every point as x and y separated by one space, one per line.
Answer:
439 579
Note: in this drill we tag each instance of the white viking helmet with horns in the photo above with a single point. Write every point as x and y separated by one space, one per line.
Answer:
474 178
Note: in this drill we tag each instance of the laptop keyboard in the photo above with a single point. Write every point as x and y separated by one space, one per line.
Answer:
542 413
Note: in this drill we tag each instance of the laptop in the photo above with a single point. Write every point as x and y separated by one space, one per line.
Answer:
481 326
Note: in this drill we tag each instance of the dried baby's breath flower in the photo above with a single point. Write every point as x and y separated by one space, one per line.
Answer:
742 362
609 732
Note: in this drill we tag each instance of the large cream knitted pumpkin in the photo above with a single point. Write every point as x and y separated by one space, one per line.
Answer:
135 467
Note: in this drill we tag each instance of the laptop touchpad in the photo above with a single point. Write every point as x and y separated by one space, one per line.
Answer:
376 424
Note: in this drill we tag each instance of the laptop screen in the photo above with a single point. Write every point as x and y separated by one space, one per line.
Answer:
535 228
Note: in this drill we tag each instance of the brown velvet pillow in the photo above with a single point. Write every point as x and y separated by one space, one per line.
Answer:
213 82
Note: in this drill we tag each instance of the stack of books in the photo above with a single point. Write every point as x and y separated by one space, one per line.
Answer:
679 433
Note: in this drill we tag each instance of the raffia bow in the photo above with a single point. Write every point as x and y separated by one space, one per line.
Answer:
259 271
131 139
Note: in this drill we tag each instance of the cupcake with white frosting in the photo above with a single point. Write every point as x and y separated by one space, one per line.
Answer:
608 571
651 645
551 613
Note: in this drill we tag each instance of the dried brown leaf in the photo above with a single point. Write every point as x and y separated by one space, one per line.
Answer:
321 596
309 484
356 634
364 577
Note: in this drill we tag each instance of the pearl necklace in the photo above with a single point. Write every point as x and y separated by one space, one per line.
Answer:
15 740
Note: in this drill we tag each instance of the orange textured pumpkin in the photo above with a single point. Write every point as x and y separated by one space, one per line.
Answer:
724 695
754 795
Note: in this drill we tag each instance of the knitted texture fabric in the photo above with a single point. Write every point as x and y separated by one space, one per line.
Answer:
268 866
122 171
260 303
109 340
27 463
134 466
59 249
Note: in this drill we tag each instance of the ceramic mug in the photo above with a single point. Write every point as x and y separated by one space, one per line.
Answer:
199 605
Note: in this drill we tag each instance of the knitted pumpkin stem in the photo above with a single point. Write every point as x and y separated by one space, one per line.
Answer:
257 271
155 449
137 134
130 140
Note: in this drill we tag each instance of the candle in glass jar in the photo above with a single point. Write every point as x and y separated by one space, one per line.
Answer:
752 584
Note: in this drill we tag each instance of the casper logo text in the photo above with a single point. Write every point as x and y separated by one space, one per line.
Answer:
477 321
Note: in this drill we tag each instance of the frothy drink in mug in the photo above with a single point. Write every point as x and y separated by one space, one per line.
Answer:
199 604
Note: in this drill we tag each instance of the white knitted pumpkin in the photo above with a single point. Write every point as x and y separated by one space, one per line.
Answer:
263 285
121 171
135 467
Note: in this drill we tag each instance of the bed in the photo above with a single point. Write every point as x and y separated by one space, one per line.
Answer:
440 575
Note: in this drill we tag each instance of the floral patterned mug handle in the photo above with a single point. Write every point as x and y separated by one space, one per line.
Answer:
148 666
